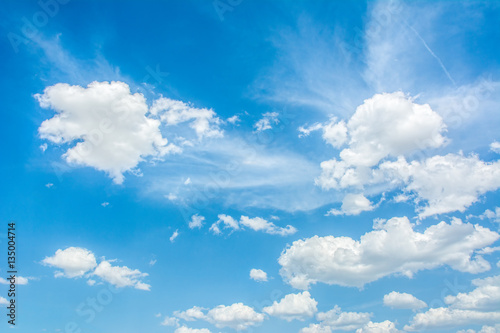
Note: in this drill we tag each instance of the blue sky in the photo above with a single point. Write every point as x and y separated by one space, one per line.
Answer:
252 166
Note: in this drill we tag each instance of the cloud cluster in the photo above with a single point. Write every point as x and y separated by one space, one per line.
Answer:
256 224
393 248
335 319
237 316
382 131
267 121
78 262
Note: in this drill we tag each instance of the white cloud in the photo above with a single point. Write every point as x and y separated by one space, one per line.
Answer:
109 125
237 316
258 275
335 319
3 301
390 125
233 120
334 133
74 261
259 224
184 329
196 221
256 224
486 296
353 204
267 121
121 276
293 307
495 146
393 249
382 327
174 236
91 282
192 314
436 318
169 321
492 215
105 204
43 147
20 280
203 121
397 300
447 183
49 185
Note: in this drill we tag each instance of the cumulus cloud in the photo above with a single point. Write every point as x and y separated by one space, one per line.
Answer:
203 121
184 329
256 224
175 234
492 215
169 321
293 306
3 301
394 248
353 204
447 183
479 306
486 296
334 133
74 261
109 125
77 262
267 121
397 300
196 221
237 316
335 319
382 327
495 146
121 276
258 275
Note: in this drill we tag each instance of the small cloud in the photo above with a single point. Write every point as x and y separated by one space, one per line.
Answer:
43 147
234 119
91 282
158 315
152 262
258 275
105 204
495 146
268 119
353 204
49 185
174 235
187 181
196 221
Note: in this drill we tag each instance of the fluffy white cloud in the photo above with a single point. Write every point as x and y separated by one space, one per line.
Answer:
184 329
192 314
397 300
334 133
492 215
74 261
436 318
447 183
293 306
196 221
121 276
204 121
169 321
110 126
256 224
335 319
353 204
20 280
258 275
237 316
267 121
495 146
486 296
395 248
382 327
